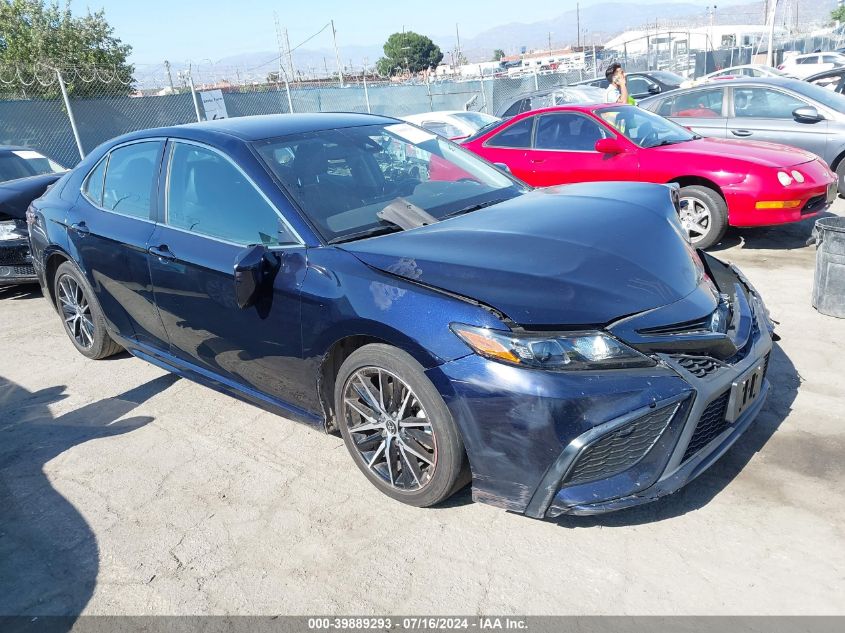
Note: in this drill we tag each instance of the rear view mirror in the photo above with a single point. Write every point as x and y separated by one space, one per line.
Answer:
654 90
255 269
503 167
609 146
807 114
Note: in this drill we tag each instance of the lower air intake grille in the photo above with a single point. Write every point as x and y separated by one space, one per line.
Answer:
620 449
712 423
14 255
698 366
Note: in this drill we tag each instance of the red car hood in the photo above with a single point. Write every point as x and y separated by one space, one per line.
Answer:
758 152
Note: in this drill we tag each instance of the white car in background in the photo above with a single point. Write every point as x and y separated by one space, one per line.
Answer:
451 124
737 72
803 66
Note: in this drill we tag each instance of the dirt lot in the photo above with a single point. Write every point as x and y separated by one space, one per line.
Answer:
126 491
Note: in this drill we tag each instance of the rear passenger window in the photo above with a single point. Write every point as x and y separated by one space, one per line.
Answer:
130 177
516 135
704 104
93 187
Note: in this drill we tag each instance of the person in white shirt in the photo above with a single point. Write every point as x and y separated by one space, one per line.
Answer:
617 89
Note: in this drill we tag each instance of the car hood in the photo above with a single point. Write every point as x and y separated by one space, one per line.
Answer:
575 255
758 152
15 195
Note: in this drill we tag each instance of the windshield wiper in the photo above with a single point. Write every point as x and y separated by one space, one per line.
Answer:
668 142
473 207
371 232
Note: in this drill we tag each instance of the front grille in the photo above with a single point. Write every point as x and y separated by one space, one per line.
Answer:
711 424
14 255
818 203
23 271
698 366
620 449
689 327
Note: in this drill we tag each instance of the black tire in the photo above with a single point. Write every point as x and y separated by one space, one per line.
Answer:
449 471
101 344
717 210
840 174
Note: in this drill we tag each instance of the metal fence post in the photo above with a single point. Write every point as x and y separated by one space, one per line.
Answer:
70 114
430 100
366 93
287 89
536 81
484 97
194 96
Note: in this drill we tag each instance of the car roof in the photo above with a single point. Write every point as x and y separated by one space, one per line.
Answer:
782 82
13 148
255 128
825 73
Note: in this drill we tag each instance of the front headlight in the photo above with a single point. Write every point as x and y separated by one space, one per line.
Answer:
784 178
569 351
9 231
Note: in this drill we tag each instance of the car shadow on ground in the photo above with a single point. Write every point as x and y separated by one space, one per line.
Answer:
781 237
784 382
24 291
49 558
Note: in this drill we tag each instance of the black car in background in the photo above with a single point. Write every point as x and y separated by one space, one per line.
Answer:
642 84
833 79
24 176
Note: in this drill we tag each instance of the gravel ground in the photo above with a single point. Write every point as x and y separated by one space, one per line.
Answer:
124 490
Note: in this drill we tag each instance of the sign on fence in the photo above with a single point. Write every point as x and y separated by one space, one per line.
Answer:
213 104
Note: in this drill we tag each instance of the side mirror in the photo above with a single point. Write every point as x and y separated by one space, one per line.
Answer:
609 146
255 269
503 167
807 114
655 89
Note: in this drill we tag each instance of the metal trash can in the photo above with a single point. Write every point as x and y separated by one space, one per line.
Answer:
829 282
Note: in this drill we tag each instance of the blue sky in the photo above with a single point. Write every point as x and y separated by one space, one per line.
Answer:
210 29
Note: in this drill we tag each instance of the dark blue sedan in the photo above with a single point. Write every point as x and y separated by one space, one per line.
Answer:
564 349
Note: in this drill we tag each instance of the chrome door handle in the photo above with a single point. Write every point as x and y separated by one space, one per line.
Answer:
537 161
741 132
162 252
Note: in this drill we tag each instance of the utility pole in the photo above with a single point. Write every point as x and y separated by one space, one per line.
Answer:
169 76
282 73
290 55
770 54
458 39
337 55
578 21
550 42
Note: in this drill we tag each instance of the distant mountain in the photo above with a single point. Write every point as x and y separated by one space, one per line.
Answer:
599 23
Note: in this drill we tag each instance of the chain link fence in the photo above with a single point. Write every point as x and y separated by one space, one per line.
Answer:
66 112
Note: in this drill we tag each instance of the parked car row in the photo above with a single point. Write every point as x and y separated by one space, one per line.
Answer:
455 325
24 175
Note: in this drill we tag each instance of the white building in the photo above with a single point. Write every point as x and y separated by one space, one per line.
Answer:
680 40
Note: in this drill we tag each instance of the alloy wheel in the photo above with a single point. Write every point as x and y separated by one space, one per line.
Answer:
76 311
389 428
696 218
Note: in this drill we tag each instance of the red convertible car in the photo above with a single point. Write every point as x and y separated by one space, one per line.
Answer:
722 182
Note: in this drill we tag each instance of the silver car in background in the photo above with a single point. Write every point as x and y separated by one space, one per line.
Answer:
787 111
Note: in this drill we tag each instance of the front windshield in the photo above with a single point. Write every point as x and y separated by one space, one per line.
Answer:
833 100
645 128
342 178
23 163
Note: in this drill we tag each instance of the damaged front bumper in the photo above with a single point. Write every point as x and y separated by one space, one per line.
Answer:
550 443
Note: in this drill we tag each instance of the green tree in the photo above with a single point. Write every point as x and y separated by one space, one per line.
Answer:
838 14
36 36
498 54
410 51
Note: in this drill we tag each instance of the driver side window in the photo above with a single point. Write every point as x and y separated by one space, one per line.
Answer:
208 195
